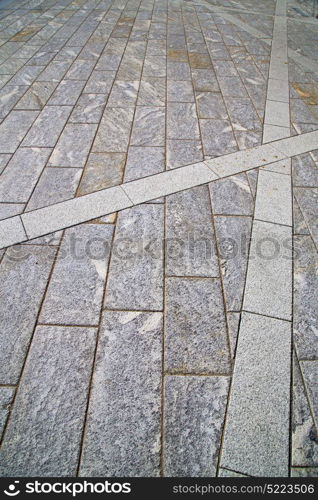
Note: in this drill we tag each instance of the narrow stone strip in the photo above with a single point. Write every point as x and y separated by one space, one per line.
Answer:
69 213
256 436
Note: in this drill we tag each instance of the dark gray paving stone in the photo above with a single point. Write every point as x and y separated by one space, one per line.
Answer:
179 91
10 209
232 86
89 108
100 82
310 374
102 170
129 445
6 397
9 96
135 280
50 404
114 131
14 128
37 96
232 196
182 121
233 323
26 75
299 224
55 71
24 274
217 137
149 127
193 422
196 337
123 94
152 92
155 66
73 145
143 161
183 152
243 114
305 171
307 201
80 70
47 127
190 240
178 70
66 93
211 105
252 177
233 236
304 472
204 80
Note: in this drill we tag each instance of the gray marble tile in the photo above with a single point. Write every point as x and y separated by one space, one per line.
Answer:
307 201
154 66
229 473
89 108
224 68
14 128
6 397
274 198
73 145
114 130
304 472
299 224
233 324
84 253
123 94
26 75
204 80
195 328
178 70
211 105
11 66
190 240
54 72
243 114
37 95
22 173
4 159
152 92
80 70
24 274
193 423
232 196
183 152
217 137
135 280
47 127
252 177
66 93
149 127
304 434
305 171
310 374
143 161
303 113
50 404
126 382
102 171
9 96
10 209
233 237
100 82
179 91
232 86
54 185
182 121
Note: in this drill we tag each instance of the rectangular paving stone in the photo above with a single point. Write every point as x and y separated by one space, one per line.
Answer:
310 373
305 297
297 145
183 152
274 132
6 397
149 127
178 70
55 71
84 253
69 213
193 423
307 201
179 91
232 86
274 198
129 446
11 232
24 274
14 128
50 404
66 93
135 280
242 113
26 75
211 105
9 96
195 328
204 80
10 209
268 288
73 145
47 127
190 240
22 173
232 196
123 94
89 108
278 90
277 113
114 130
256 411
143 161
152 92
37 96
102 171
80 70
305 171
217 137
100 82
182 121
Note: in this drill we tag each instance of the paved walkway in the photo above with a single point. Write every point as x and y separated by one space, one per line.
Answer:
158 226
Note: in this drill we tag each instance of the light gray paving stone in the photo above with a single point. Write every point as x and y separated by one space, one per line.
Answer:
243 114
103 170
37 96
123 94
143 161
211 105
26 75
11 66
305 298
66 93
52 239
233 236
129 446
217 137
24 274
193 422
305 171
229 473
277 113
310 373
10 209
183 152
47 127
257 413
135 280
149 127
204 80
55 71
179 91
80 69
168 182
6 397
274 198
299 224
155 66
195 328
73 145
278 90
22 174
280 167
100 82
69 213
232 86
54 383
268 288
304 472
11 231
114 130
304 443
307 201
88 109
233 323
252 176
298 144
85 253
232 196
152 92
182 121
54 185
190 240
178 70
4 159
14 128
273 133
9 96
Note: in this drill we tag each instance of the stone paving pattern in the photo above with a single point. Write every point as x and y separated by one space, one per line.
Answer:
119 336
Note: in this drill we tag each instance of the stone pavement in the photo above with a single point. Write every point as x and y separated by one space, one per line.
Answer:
158 226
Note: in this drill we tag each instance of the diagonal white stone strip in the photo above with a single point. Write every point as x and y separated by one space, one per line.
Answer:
78 210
